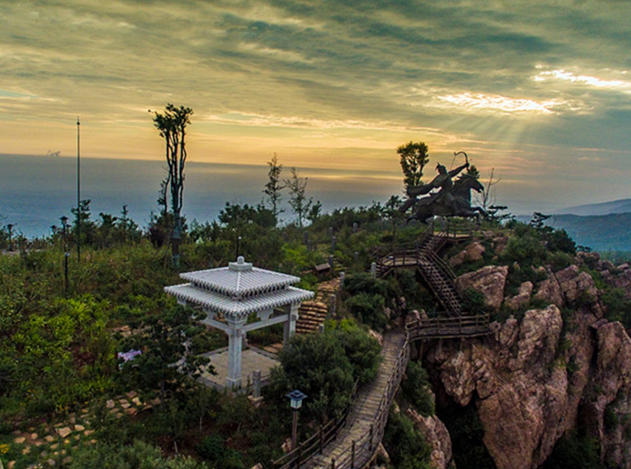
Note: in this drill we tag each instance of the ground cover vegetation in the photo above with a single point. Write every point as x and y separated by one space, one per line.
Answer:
61 336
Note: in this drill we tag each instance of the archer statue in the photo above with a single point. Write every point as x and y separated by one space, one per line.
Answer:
446 197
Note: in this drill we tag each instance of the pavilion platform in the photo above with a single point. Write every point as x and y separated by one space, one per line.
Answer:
252 359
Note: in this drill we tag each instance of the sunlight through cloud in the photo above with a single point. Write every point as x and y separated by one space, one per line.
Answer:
596 82
500 103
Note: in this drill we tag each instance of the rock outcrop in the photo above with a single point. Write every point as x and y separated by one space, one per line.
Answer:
472 253
535 378
490 280
522 298
436 435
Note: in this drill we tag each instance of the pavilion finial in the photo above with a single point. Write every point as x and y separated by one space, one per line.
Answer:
240 265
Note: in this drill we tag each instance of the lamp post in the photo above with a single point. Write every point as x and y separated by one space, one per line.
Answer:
295 398
64 227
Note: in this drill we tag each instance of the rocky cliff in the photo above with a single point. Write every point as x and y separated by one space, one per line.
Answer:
544 371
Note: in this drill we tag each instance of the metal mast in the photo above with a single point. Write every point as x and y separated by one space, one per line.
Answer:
78 190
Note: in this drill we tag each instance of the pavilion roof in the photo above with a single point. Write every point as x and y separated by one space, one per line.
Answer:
237 306
240 279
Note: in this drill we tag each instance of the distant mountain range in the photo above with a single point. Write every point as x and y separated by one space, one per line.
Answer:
605 208
603 227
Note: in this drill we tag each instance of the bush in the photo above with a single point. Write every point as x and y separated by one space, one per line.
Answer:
417 390
369 309
213 449
316 365
138 456
526 250
325 366
474 299
365 283
574 451
405 445
617 307
362 350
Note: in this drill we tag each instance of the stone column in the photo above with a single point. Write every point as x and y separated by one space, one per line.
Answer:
235 346
256 377
290 325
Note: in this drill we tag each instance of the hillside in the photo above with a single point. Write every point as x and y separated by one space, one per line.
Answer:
601 233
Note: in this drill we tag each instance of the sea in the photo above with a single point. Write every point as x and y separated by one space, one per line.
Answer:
36 191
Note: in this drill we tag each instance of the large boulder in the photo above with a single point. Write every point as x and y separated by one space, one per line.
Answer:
522 298
436 435
490 280
611 383
472 253
576 285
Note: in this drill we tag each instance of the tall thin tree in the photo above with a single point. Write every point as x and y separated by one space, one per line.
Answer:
297 196
274 186
172 127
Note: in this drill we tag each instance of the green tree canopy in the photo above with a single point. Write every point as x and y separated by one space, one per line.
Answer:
325 366
413 158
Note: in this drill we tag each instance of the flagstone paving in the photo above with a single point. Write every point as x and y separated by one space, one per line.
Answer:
50 445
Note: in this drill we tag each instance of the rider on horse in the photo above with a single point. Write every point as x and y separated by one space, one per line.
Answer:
443 182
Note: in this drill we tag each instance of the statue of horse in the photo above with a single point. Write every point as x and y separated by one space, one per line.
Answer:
434 204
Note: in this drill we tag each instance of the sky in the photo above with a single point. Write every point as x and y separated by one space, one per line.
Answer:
537 91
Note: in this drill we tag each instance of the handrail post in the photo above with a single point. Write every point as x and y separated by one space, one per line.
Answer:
299 455
321 438
333 463
371 437
353 455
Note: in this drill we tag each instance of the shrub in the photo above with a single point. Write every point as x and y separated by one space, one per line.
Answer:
140 455
369 309
405 445
417 390
527 250
365 283
474 299
574 451
325 366
213 449
316 365
362 350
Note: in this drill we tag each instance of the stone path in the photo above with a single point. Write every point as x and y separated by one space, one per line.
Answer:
52 444
251 359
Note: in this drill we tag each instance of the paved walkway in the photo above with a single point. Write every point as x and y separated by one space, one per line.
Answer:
251 359
365 412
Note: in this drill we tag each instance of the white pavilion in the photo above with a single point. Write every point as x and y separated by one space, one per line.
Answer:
232 295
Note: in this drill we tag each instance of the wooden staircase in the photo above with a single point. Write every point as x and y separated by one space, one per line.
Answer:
313 313
435 272
456 321
310 316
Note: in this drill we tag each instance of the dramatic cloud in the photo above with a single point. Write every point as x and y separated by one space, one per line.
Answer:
539 90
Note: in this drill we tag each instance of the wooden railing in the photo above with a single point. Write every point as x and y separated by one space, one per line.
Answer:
449 327
316 442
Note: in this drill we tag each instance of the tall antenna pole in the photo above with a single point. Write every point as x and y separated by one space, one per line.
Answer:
78 190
